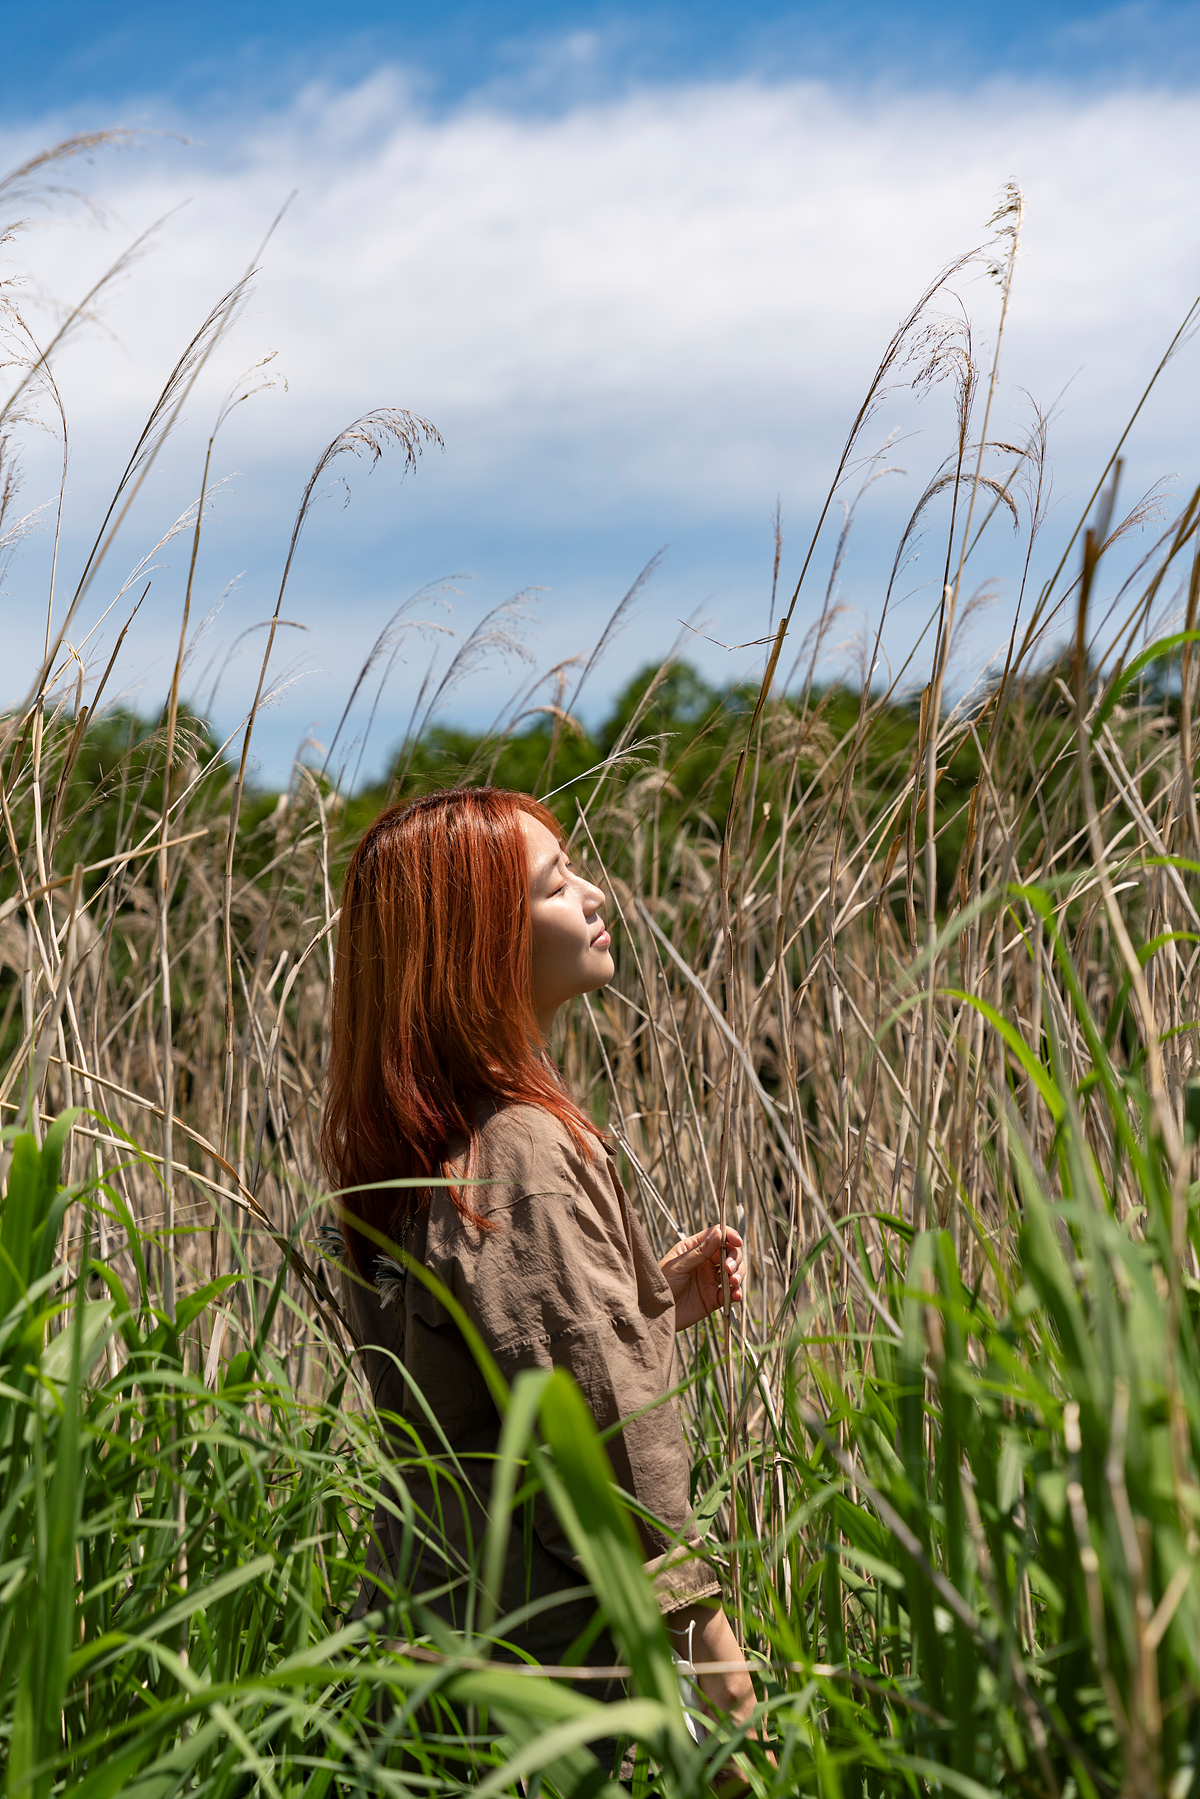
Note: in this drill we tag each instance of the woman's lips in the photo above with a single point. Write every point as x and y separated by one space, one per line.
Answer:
602 941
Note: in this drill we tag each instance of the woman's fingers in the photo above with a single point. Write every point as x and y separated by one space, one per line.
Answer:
690 1254
731 1265
704 1258
711 1236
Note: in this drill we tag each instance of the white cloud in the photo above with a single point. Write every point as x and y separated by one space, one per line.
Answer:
664 306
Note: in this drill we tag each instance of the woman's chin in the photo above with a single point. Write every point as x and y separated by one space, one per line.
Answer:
601 972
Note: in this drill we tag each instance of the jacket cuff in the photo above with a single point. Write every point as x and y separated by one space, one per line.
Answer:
682 1577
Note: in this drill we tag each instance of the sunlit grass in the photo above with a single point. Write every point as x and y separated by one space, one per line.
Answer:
934 1054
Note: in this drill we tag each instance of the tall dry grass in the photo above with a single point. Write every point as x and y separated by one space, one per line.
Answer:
823 1027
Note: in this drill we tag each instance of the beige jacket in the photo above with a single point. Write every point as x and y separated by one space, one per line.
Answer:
565 1279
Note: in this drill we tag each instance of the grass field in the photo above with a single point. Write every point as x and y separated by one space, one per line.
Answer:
903 988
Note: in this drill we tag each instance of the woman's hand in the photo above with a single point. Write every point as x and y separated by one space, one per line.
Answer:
693 1271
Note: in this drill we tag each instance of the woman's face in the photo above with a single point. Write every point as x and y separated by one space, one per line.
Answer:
570 944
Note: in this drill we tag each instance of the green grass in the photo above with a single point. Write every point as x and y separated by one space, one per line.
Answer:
979 1571
905 988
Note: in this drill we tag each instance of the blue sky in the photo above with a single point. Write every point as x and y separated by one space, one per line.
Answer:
637 265
238 55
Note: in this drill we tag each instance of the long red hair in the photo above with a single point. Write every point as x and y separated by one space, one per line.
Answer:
432 1000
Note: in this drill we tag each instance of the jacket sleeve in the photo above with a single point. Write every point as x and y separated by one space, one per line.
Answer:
554 1285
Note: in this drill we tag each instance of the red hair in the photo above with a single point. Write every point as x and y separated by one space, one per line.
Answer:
432 1000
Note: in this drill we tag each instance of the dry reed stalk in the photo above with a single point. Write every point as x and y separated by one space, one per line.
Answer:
781 1040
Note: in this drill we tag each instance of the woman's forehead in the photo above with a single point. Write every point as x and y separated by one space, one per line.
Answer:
542 846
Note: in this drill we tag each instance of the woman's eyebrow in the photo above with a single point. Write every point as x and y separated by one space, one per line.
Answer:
548 866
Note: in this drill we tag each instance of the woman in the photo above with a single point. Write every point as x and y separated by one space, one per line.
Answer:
464 929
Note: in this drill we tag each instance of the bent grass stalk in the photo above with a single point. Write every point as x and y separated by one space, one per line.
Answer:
951 1474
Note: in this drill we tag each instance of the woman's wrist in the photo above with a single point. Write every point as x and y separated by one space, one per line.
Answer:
703 1633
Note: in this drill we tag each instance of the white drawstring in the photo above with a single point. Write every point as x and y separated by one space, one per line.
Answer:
688 1691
